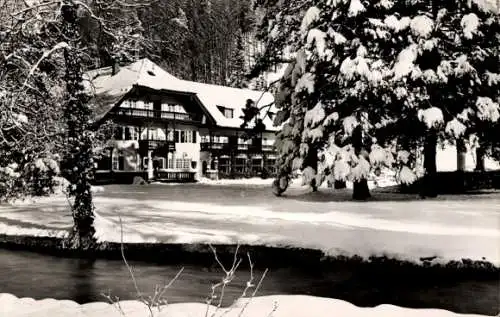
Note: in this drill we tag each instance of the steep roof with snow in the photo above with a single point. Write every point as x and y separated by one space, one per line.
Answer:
110 89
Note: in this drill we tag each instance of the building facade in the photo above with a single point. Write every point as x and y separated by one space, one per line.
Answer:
169 129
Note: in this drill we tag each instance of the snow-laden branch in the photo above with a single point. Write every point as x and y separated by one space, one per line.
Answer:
46 54
34 6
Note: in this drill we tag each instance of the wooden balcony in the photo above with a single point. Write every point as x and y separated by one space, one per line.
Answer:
157 115
159 146
268 148
215 146
240 148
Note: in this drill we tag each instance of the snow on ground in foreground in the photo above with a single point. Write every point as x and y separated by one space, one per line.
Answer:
407 230
276 306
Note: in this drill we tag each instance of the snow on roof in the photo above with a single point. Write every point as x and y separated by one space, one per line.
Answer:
110 89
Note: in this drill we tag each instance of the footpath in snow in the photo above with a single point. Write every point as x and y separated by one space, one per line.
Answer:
275 306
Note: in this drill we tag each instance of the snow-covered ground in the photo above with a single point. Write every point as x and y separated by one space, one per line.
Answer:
450 228
275 306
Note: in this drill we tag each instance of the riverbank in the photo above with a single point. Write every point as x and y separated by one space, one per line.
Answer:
265 256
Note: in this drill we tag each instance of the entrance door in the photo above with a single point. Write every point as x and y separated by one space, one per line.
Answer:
204 167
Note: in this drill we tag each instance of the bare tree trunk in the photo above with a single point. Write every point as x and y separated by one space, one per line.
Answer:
430 186
461 157
360 189
480 154
339 184
461 154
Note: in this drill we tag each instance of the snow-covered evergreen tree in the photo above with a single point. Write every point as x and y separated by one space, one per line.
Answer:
374 81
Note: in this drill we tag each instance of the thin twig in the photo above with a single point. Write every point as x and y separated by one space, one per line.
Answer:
253 293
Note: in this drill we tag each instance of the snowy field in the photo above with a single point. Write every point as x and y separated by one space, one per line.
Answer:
275 306
401 226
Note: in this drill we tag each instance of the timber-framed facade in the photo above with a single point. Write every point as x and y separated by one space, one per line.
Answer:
168 129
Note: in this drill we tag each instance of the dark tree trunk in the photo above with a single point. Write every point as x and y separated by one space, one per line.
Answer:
480 166
360 190
461 154
429 185
78 114
339 184
312 161
280 185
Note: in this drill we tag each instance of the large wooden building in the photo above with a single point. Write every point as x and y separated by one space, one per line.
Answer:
175 130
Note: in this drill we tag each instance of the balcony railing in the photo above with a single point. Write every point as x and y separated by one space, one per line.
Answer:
206 146
217 146
268 148
158 114
167 145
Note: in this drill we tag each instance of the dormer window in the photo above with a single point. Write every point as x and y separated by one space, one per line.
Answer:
227 112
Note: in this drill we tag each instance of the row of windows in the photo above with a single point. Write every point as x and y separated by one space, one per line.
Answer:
149 105
242 165
178 136
118 162
225 139
184 163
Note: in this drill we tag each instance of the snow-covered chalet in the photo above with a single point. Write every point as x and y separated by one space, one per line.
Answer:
176 130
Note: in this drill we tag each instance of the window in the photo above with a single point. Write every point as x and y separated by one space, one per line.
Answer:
205 139
185 136
224 165
170 135
118 133
221 139
240 165
227 112
170 163
134 133
190 136
127 134
153 134
117 160
256 165
159 163
183 163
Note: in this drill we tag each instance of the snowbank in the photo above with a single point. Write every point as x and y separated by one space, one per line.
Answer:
276 306
238 181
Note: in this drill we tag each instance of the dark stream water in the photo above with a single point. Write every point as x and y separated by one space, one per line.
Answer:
27 274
